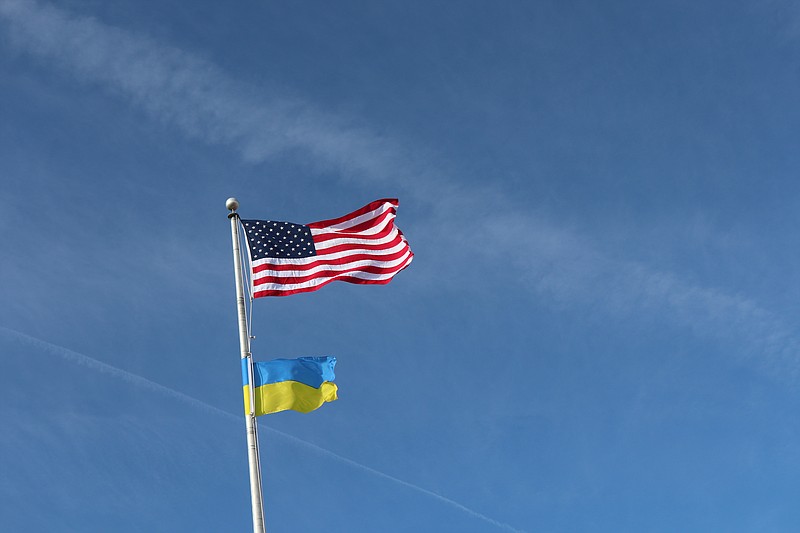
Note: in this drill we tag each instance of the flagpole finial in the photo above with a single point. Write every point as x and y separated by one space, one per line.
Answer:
232 204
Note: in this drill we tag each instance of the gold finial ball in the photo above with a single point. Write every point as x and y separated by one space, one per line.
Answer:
232 204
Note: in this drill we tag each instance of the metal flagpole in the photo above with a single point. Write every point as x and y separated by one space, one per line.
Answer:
256 499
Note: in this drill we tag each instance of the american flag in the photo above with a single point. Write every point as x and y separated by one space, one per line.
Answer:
361 247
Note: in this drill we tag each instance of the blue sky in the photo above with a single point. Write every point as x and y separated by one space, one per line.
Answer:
598 331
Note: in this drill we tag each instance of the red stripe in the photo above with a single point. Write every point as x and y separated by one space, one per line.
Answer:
369 269
333 261
360 246
347 234
359 281
372 222
259 294
366 209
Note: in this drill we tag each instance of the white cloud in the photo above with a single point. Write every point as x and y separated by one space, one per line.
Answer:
190 93
201 100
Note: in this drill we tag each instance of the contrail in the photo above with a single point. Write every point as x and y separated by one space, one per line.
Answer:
139 381
378 473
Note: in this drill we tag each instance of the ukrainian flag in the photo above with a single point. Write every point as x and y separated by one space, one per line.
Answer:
302 384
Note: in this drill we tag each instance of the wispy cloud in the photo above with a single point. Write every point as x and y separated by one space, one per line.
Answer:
201 100
572 271
144 383
191 93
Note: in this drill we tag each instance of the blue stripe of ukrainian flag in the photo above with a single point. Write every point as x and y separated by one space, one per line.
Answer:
302 384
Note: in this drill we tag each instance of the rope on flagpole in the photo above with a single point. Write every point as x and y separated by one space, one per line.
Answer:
247 282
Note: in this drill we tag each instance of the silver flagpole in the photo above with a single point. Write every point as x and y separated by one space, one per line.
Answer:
256 499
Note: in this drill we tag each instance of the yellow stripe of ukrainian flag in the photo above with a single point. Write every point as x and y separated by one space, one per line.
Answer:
285 395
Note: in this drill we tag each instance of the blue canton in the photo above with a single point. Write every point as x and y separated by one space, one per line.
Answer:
282 240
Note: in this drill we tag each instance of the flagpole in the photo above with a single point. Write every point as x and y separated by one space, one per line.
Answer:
256 499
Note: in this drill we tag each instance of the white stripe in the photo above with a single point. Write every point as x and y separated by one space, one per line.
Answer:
334 268
401 245
321 268
318 281
372 230
284 261
338 255
321 246
375 213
